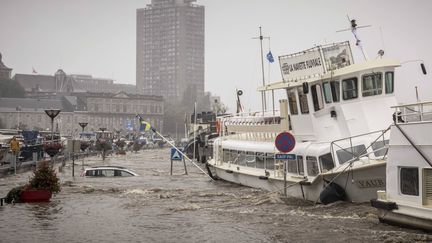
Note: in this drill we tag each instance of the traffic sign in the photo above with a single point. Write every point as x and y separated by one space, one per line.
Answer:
285 156
285 142
175 154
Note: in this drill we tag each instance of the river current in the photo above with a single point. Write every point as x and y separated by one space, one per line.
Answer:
158 207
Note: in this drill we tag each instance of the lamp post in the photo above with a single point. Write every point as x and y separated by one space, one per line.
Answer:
83 125
52 113
52 149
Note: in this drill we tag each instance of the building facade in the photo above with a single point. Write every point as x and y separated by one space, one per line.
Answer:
62 82
170 50
5 72
115 112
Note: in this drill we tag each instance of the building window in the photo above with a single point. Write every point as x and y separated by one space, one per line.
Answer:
349 88
389 82
409 181
304 106
372 84
292 102
317 97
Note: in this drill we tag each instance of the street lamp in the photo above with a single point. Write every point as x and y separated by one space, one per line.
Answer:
52 113
83 125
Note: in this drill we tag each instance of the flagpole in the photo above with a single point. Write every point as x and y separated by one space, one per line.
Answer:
194 130
262 70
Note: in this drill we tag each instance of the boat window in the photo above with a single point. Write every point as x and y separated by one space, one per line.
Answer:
241 158
327 92
250 159
312 166
349 88
379 148
292 166
326 162
372 84
300 165
226 155
335 89
90 173
233 156
389 82
260 158
292 102
409 181
317 97
304 106
347 154
269 162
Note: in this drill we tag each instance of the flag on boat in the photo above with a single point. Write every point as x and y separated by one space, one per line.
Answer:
270 57
34 70
144 126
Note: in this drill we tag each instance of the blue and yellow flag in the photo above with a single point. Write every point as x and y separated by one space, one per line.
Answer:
144 126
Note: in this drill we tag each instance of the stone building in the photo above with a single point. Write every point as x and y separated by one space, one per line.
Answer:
5 72
110 111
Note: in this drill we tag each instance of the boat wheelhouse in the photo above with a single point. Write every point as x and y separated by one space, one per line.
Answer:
339 114
407 200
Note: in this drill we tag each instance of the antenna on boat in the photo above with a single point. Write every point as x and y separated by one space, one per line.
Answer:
353 30
263 96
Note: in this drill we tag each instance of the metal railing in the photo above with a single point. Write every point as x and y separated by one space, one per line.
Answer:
416 112
355 155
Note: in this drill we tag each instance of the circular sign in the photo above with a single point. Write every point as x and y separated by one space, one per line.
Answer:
285 142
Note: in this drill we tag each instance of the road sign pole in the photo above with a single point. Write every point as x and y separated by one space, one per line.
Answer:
171 167
184 163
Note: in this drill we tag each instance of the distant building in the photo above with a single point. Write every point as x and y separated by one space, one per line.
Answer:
5 72
170 50
61 82
111 111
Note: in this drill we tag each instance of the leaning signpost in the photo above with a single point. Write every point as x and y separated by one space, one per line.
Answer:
177 156
285 143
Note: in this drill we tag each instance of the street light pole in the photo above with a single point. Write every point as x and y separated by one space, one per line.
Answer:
52 113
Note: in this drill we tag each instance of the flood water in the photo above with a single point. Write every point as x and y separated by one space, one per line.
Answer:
157 207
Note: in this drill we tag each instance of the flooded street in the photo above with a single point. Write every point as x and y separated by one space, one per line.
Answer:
157 207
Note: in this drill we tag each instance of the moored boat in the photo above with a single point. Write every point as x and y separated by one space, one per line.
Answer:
407 199
339 114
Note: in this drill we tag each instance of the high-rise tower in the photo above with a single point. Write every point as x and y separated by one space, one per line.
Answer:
170 50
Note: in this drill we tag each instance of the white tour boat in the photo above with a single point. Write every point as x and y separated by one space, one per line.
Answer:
339 113
407 200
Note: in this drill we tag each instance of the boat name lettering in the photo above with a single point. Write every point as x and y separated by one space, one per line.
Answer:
378 182
288 68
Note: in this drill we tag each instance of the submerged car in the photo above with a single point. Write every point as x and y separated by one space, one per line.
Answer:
108 171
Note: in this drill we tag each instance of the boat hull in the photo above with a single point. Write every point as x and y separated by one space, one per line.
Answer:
360 185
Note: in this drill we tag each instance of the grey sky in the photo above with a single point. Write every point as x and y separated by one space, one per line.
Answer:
98 37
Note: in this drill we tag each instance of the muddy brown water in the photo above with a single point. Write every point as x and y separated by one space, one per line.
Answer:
157 207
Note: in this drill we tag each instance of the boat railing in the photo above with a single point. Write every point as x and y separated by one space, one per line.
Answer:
254 136
353 148
416 112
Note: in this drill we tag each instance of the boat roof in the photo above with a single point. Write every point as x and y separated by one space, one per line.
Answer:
358 67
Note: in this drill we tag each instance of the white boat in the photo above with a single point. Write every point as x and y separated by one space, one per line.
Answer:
339 113
407 200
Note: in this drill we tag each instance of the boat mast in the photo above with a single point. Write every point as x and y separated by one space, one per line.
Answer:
263 95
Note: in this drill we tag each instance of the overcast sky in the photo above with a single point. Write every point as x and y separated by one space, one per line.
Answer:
98 37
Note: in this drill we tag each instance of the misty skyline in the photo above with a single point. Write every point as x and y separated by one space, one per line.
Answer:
99 38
